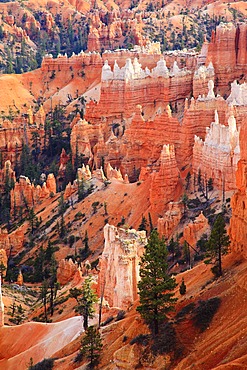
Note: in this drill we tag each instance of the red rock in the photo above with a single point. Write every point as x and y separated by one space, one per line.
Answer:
3 261
237 230
66 271
218 155
119 271
165 186
194 230
168 223
14 239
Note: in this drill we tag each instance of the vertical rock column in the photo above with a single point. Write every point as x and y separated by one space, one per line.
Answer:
1 305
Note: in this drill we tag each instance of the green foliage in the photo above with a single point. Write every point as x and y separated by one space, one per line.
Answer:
185 311
210 184
142 339
46 364
120 315
173 248
188 180
5 203
182 288
202 243
91 346
94 206
75 293
86 303
143 224
218 243
166 341
18 315
204 313
156 286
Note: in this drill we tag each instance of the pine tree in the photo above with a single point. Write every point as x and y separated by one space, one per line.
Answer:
143 224
92 346
182 288
218 244
156 286
87 301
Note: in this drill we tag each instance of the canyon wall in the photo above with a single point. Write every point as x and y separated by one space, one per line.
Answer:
227 52
238 222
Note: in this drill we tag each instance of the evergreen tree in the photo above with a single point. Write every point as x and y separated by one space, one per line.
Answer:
87 301
156 286
143 224
218 244
185 200
187 180
173 248
150 222
92 346
210 184
182 288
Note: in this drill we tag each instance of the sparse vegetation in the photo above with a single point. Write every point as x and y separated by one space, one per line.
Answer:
204 312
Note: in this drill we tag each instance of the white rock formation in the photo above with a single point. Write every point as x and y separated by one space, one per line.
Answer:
204 72
134 71
161 69
210 90
218 155
238 95
119 265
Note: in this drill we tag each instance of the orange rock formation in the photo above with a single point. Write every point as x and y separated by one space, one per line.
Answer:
119 265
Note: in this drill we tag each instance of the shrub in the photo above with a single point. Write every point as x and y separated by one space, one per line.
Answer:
78 357
46 364
185 310
107 321
166 341
182 288
120 315
142 339
204 313
79 215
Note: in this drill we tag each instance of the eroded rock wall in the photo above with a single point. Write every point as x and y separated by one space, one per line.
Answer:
119 265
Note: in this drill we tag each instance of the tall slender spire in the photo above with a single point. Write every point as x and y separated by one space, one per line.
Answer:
1 305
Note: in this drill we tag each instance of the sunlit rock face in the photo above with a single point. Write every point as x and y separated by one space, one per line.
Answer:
119 265
218 155
238 229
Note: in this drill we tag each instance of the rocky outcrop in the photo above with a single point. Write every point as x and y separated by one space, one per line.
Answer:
66 271
201 78
218 155
25 194
13 241
196 119
7 174
137 147
3 261
169 222
119 265
20 278
108 31
194 230
164 183
113 173
227 52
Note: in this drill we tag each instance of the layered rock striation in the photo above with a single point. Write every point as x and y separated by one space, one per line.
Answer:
218 155
119 265
238 222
